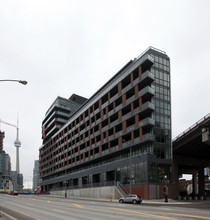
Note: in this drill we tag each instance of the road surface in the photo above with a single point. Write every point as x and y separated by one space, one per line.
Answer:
43 208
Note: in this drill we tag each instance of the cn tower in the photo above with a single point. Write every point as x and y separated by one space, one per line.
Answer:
17 144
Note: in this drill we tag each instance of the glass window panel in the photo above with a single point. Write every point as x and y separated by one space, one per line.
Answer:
164 61
156 58
161 111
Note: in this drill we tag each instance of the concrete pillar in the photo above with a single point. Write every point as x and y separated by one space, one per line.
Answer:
201 183
194 184
90 178
175 179
80 181
103 177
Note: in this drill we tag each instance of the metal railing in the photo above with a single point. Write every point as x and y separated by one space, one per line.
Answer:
121 189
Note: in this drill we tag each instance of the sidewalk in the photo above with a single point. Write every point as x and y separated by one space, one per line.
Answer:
172 201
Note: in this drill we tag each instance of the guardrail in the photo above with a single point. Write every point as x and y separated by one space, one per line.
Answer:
193 126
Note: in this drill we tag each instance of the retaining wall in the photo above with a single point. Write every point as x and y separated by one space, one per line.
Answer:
96 192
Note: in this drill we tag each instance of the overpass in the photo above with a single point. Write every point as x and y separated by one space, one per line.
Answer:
191 154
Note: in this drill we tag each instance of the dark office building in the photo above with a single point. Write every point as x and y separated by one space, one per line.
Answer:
122 134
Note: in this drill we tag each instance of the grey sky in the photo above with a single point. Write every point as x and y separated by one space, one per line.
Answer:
63 47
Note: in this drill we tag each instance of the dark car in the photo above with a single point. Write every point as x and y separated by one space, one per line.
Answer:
131 198
15 193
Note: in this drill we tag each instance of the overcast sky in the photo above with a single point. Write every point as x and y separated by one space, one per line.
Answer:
63 47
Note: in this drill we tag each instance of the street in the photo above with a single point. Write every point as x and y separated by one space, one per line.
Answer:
44 208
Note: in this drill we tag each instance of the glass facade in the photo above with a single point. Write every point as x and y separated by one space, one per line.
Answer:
157 171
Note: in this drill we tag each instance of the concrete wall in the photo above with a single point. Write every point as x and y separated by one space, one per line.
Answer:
96 192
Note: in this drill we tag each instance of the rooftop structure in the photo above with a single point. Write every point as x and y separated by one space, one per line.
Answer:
58 114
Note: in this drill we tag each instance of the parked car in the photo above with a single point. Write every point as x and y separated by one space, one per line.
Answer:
25 192
131 198
15 193
10 192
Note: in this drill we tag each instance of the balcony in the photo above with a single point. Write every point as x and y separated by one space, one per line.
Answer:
118 108
147 123
105 152
147 108
113 98
127 88
148 137
96 155
147 92
105 128
118 134
147 79
147 62
105 104
113 149
126 116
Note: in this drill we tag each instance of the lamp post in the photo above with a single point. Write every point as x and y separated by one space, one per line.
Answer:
14 80
65 184
130 168
130 158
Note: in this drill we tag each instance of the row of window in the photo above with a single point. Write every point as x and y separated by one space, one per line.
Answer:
160 60
158 173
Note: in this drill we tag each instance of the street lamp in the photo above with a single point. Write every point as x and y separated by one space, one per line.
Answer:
130 164
13 80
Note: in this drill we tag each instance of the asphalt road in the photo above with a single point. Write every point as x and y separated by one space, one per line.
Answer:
44 208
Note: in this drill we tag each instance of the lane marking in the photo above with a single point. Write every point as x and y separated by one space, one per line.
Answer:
9 216
79 206
191 216
60 211
141 213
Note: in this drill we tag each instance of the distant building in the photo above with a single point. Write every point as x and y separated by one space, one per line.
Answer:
2 135
17 180
6 164
36 179
6 167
